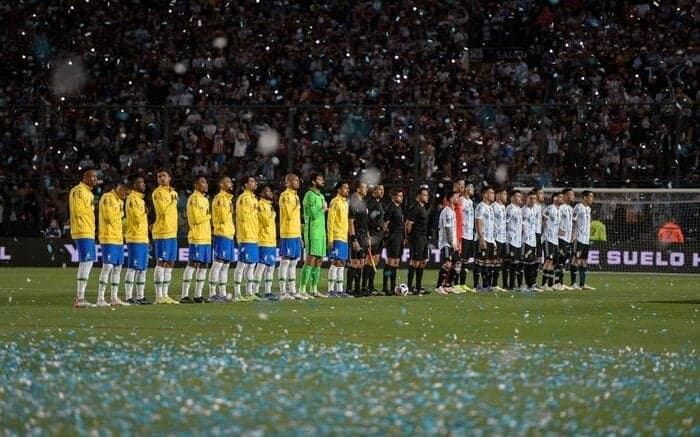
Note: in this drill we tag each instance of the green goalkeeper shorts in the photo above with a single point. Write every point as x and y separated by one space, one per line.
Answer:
316 247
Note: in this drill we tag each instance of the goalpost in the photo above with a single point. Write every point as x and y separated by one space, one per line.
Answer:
643 230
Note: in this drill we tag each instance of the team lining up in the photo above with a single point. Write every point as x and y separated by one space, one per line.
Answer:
494 237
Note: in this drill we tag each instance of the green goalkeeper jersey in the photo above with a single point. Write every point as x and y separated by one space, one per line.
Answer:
314 216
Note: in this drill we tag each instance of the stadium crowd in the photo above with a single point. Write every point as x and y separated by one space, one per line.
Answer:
570 93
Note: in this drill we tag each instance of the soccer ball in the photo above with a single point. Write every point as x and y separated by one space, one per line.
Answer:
401 290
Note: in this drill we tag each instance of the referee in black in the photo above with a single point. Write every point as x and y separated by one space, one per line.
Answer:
359 238
417 235
395 229
376 238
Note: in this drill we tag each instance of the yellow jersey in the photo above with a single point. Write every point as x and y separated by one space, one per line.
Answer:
338 225
247 217
82 212
136 218
222 215
266 219
198 219
165 204
290 214
111 230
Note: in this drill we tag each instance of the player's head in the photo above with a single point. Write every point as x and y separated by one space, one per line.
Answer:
423 195
516 197
361 188
138 184
458 186
568 195
453 198
531 199
343 189
201 184
378 192
90 177
501 195
488 194
317 180
291 181
265 192
164 177
397 195
539 191
122 190
226 184
557 199
587 197
468 190
250 183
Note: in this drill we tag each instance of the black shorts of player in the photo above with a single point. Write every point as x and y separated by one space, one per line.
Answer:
362 252
394 246
488 252
376 244
514 253
448 254
551 251
529 254
501 250
581 250
538 247
564 250
418 247
468 249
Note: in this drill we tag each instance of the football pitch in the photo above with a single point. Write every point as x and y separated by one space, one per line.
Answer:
622 359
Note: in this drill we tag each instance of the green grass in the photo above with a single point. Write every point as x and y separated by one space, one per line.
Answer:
619 359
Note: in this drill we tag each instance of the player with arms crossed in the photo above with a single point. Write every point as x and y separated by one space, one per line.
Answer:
395 241
199 238
111 233
164 234
485 226
529 214
377 226
468 245
82 230
338 230
359 239
581 237
565 230
447 244
223 231
136 243
499 214
314 209
417 235
290 236
267 241
247 231
551 218
513 266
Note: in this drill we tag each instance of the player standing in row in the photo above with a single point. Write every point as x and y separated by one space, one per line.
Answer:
359 238
581 238
485 227
111 235
290 237
466 233
247 228
529 214
539 209
314 209
267 242
551 218
513 266
136 243
565 229
82 229
417 235
395 240
377 226
447 244
223 249
164 232
338 230
458 187
199 239
499 215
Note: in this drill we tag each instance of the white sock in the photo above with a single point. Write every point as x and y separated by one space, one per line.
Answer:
116 280
167 277
140 284
187 280
339 277
158 275
129 284
104 281
238 278
223 279
214 277
331 278
250 277
259 272
269 277
201 279
82 277
292 276
284 265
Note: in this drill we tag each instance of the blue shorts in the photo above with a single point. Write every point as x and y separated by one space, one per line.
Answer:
113 254
248 253
267 255
223 249
137 256
86 249
339 251
166 249
200 253
290 248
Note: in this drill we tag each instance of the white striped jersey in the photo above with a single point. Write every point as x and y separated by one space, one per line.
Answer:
529 216
499 214
467 231
582 221
551 217
538 208
484 213
566 224
514 225
447 228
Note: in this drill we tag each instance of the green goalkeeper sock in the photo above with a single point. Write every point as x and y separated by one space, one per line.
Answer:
315 278
305 276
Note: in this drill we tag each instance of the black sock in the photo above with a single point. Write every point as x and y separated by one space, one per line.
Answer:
486 276
512 269
506 273
519 271
419 278
358 280
411 272
582 275
366 277
573 269
370 281
351 278
477 271
386 274
463 275
392 278
544 277
443 276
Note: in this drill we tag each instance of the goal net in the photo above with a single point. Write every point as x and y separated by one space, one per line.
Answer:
636 230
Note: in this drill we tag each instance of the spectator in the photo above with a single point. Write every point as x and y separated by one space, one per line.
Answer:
670 232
